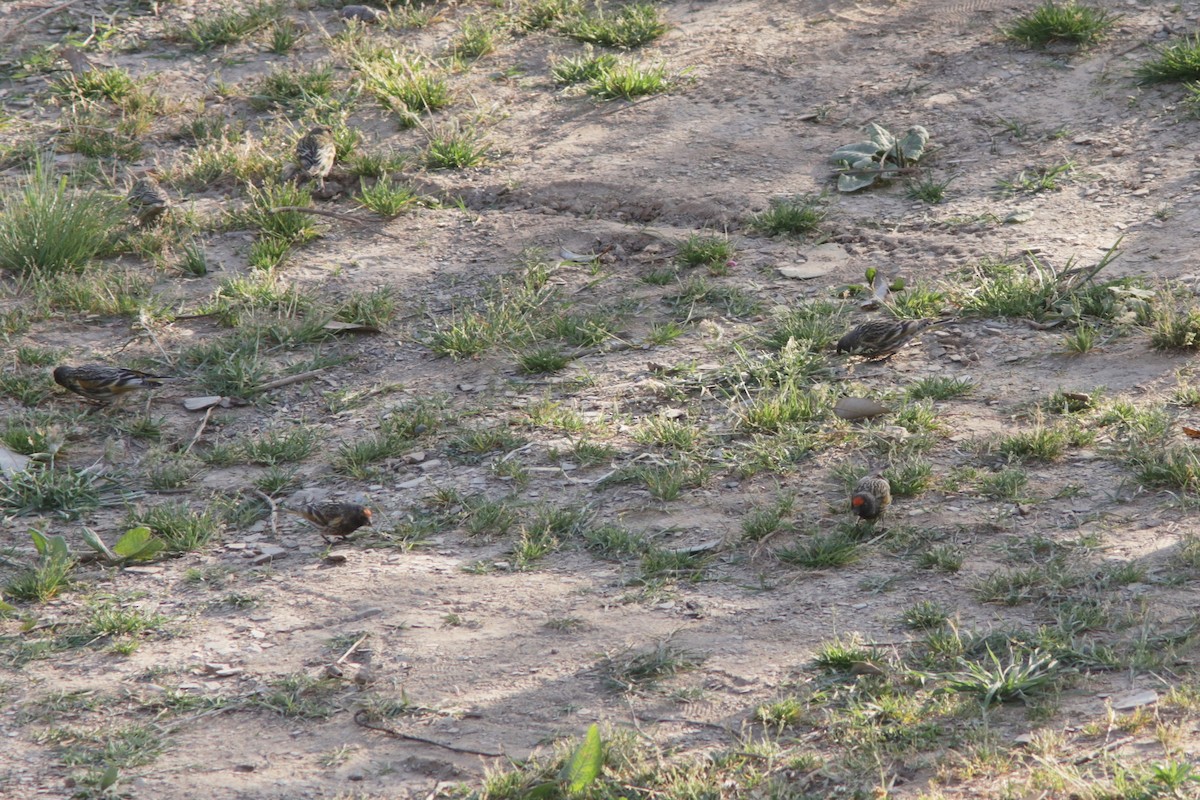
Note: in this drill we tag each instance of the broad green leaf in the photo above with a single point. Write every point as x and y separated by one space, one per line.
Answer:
7 608
584 767
59 549
850 153
96 543
138 544
543 791
871 273
852 183
109 778
880 136
40 543
912 146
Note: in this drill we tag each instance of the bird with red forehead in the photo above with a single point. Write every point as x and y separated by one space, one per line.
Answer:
334 518
872 495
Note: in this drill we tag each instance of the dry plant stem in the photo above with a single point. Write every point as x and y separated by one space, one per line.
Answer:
320 212
352 648
289 380
361 719
274 510
200 431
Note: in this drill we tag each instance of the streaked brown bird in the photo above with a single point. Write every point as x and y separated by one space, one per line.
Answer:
147 200
102 384
333 518
872 495
315 153
883 337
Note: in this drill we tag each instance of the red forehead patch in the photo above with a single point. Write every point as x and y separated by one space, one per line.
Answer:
857 501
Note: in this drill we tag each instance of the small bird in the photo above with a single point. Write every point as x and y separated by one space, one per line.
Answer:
872 495
334 519
101 384
883 337
147 200
315 153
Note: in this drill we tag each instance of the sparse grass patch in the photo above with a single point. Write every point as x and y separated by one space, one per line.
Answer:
767 520
1177 62
928 189
704 250
182 528
387 198
63 491
635 670
627 80
586 67
631 26
798 215
1019 677
1173 328
454 147
822 551
1043 179
543 360
943 557
841 655
1039 444
477 37
1054 21
939 387
47 227
282 446
404 83
1007 484
658 564
301 696
293 87
228 26
925 615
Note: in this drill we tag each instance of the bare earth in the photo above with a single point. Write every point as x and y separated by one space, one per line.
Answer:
767 90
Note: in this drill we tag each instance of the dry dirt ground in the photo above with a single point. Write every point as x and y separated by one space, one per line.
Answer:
510 660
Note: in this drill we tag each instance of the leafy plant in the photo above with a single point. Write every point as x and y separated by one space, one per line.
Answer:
136 544
879 157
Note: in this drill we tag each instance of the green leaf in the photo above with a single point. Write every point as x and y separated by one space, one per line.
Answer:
880 136
912 146
543 791
7 608
584 767
40 543
852 183
92 540
851 153
138 544
871 273
109 778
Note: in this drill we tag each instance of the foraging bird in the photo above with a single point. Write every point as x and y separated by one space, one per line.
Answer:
315 153
334 519
101 384
883 337
147 200
872 495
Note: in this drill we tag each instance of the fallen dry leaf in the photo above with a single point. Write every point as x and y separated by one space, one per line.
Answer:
201 403
1192 432
11 463
338 326
851 408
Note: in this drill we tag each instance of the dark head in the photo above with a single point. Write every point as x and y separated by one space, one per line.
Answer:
847 343
866 505
321 130
62 375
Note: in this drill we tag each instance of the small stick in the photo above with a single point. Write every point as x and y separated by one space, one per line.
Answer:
274 511
52 10
363 719
320 212
200 430
353 647
303 376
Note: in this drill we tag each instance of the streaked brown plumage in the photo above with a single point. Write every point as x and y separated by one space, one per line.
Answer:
147 200
333 518
315 153
883 337
102 384
872 495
